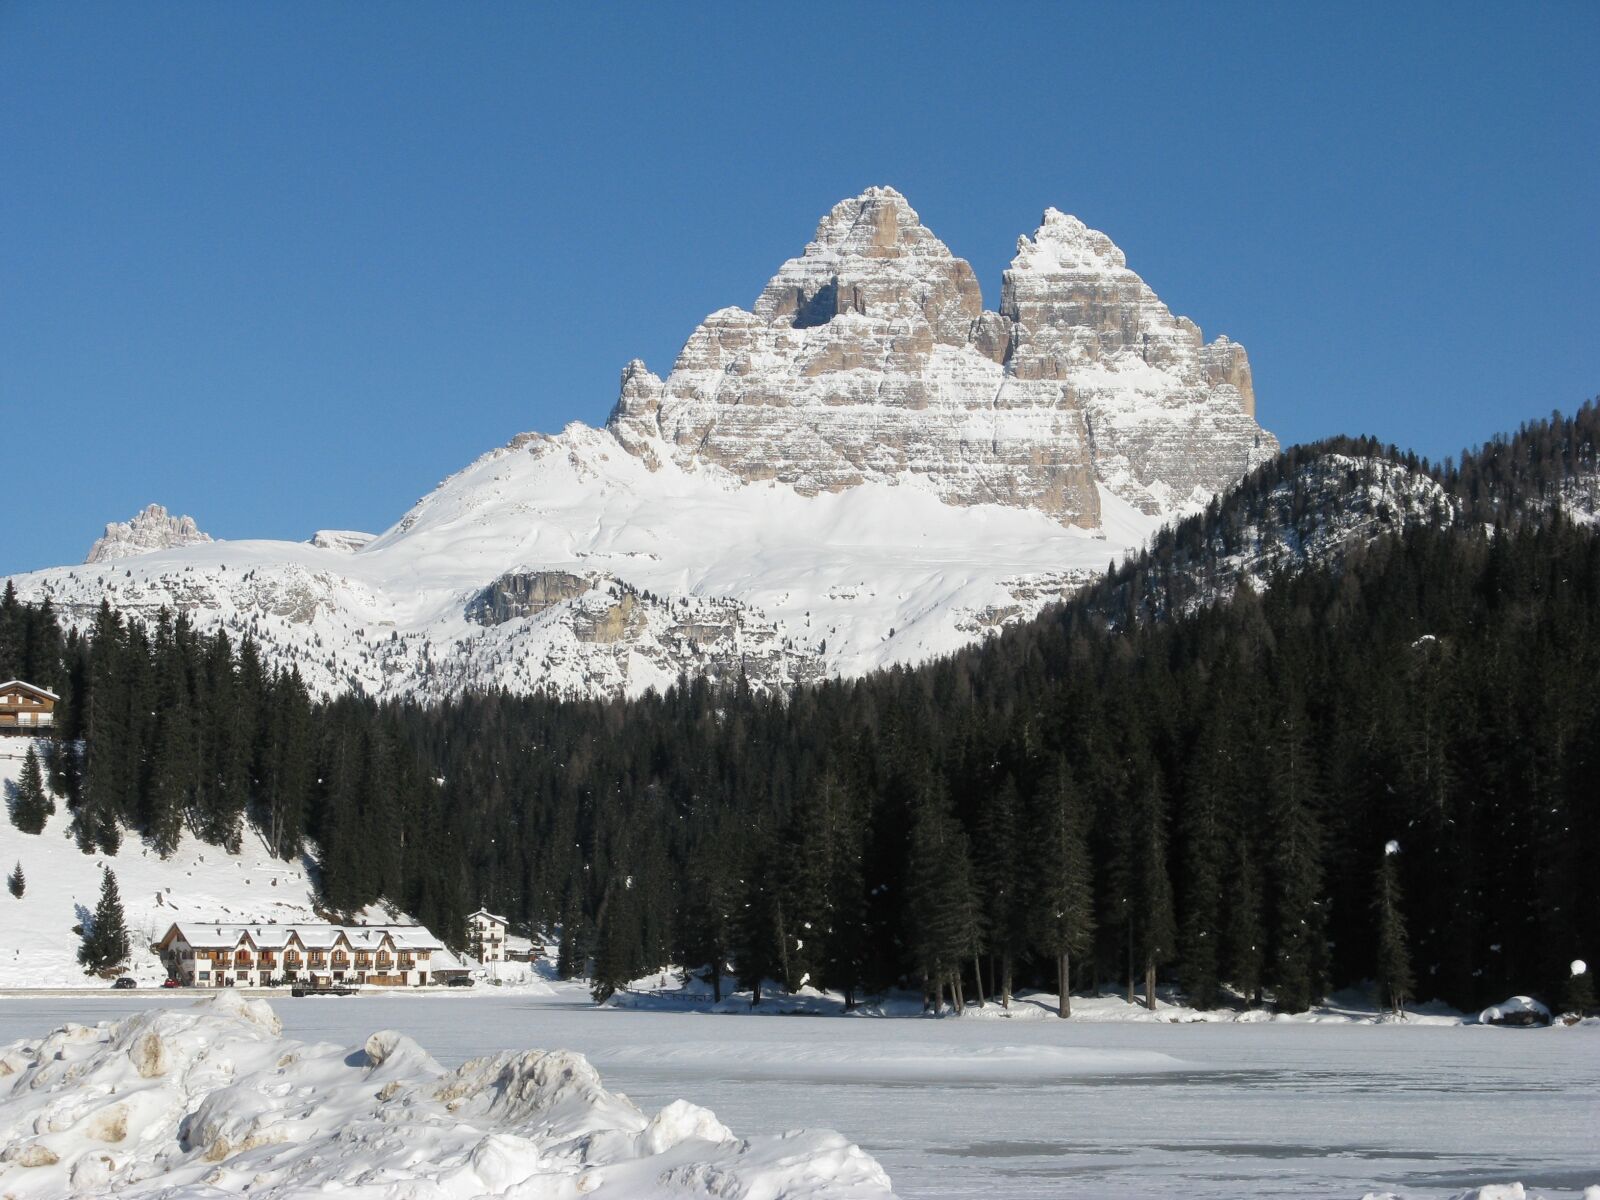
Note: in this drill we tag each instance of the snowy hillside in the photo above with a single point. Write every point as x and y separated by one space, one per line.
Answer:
866 468
566 564
37 945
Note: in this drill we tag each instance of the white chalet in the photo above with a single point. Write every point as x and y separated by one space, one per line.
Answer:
486 935
254 955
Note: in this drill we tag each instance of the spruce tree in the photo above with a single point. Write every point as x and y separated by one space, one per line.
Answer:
1061 901
943 902
16 882
1155 924
1577 995
1394 958
1297 925
32 805
998 863
105 942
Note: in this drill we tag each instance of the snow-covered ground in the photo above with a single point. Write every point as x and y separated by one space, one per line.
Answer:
200 883
1030 1109
210 1100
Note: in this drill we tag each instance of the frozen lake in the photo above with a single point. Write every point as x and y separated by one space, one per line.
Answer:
1036 1109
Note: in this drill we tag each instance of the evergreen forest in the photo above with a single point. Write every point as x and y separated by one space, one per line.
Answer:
1373 766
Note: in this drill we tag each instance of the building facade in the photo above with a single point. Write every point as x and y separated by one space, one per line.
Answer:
260 955
26 708
486 936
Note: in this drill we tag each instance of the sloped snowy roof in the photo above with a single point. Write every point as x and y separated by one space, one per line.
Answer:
313 936
26 686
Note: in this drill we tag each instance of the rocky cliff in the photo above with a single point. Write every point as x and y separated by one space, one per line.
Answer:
871 357
152 529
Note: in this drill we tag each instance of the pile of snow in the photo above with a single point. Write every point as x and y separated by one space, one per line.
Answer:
212 1099
1519 1010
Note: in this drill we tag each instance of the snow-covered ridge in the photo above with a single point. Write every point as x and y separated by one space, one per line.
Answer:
866 469
213 1099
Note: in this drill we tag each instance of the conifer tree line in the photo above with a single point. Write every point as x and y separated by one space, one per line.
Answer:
1131 790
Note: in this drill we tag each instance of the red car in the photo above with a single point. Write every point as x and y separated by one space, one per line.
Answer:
171 983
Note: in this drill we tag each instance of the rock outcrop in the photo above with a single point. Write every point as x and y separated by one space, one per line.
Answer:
152 529
870 357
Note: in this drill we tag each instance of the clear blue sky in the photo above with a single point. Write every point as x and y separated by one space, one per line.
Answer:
285 266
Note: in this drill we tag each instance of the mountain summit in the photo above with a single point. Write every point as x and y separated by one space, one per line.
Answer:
871 357
866 467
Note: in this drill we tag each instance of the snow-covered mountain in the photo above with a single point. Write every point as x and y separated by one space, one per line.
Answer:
866 468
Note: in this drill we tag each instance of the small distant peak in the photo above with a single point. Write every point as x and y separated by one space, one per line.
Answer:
1064 243
152 529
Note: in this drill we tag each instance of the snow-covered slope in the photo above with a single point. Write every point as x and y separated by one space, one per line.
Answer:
866 469
199 882
213 1100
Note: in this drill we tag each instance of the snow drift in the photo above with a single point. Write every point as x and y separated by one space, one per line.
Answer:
213 1099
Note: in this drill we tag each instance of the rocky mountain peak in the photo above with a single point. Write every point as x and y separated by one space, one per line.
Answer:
152 529
873 256
870 357
1063 242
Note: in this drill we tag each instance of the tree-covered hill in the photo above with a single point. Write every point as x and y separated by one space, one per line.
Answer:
1190 772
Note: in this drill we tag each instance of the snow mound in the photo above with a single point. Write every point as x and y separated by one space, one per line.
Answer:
1519 1010
213 1099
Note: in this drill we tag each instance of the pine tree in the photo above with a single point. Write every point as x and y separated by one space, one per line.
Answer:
16 882
1243 936
617 957
1297 927
1394 958
1155 925
32 805
1577 995
1061 901
105 942
997 857
943 908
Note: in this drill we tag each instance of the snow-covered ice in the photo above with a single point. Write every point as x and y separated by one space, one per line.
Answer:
1036 1109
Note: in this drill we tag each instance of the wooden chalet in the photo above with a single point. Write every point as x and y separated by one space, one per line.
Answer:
26 708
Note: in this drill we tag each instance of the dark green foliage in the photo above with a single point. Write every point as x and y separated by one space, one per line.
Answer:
1577 995
32 806
105 941
17 882
1060 902
1394 956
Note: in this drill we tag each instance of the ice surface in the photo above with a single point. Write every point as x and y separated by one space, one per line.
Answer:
1036 1109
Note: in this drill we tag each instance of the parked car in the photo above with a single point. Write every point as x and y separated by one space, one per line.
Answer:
458 981
123 984
171 983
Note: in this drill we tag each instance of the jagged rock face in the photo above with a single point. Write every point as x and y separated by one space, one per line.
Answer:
152 529
519 594
870 357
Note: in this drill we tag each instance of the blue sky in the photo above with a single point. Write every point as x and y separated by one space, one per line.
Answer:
284 267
